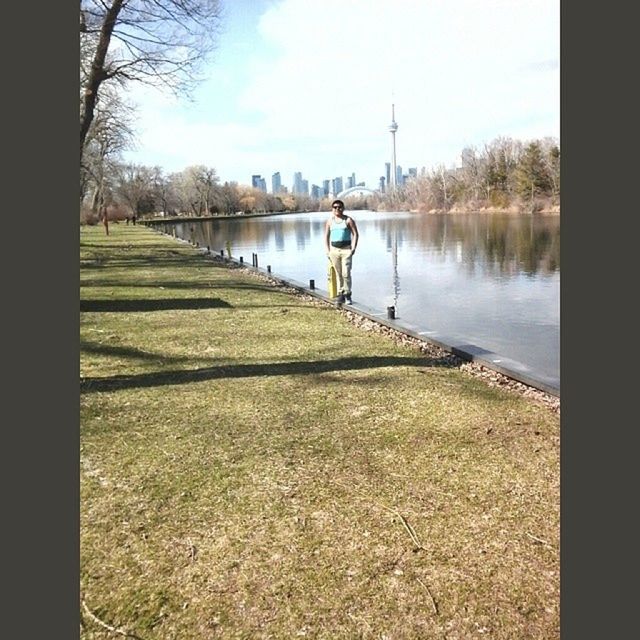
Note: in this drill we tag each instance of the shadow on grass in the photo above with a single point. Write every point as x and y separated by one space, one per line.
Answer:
168 284
114 383
153 305
127 352
141 262
123 246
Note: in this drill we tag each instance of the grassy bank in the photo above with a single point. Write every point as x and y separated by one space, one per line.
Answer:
255 466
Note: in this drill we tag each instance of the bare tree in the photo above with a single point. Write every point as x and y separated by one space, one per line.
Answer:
158 42
136 187
204 181
502 157
471 173
198 189
230 198
163 193
109 134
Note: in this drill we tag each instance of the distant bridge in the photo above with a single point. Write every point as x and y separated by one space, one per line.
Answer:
364 191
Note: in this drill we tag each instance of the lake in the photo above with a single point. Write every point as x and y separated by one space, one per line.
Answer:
487 282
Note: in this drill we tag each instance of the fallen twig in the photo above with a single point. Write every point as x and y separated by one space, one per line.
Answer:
537 539
95 618
405 522
410 530
193 551
433 600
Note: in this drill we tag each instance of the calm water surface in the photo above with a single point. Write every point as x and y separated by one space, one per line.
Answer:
488 280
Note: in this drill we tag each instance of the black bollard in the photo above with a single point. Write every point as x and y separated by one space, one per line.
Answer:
241 260
312 284
391 313
268 268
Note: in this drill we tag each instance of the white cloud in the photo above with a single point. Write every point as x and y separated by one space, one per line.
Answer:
322 79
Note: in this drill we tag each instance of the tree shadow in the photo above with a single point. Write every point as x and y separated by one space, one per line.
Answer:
163 378
141 262
128 352
174 284
121 246
159 304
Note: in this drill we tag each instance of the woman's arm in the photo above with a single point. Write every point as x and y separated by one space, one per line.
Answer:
327 234
354 234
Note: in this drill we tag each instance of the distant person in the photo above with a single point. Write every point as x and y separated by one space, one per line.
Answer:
341 239
133 218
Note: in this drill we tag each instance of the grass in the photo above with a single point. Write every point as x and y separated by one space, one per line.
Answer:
255 466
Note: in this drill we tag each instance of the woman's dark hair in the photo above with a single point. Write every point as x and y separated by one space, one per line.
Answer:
338 202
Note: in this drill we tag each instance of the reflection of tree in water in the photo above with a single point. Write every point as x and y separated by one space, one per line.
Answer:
522 246
536 251
504 244
499 244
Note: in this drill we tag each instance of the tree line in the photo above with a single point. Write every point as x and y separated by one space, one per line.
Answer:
505 174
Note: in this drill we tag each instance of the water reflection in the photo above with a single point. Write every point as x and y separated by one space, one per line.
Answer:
503 244
396 275
500 244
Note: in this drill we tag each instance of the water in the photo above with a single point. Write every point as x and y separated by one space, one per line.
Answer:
490 281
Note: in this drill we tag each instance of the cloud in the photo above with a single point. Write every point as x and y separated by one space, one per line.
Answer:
322 75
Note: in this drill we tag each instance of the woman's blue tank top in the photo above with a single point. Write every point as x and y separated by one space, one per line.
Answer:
340 233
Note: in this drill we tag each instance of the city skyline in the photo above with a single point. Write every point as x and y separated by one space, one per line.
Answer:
328 186
290 88
300 186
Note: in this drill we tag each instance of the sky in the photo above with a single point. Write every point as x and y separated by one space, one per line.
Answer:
307 85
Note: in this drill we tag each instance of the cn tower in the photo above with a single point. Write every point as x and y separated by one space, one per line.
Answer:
393 127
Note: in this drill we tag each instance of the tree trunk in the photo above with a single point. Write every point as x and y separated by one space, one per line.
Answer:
105 218
95 201
98 74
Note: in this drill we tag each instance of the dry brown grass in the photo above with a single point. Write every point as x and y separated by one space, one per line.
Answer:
255 466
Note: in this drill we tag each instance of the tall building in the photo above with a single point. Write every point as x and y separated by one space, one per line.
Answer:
399 181
393 127
297 183
336 186
276 183
258 182
412 172
350 182
326 187
316 191
381 187
387 166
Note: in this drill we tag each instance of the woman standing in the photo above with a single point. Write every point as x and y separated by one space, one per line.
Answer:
341 239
